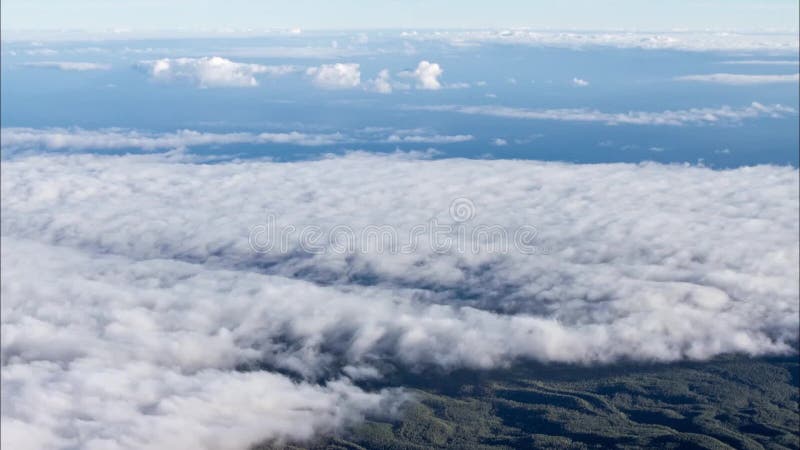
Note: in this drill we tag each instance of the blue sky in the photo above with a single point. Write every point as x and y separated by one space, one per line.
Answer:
320 14
719 99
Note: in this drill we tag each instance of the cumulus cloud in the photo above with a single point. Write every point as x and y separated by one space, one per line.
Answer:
382 83
69 65
209 72
579 82
336 76
426 75
14 138
670 117
741 79
188 321
499 142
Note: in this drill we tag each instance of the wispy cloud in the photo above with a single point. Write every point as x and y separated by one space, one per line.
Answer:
691 41
579 82
741 79
69 65
115 138
16 139
670 117
764 62
429 139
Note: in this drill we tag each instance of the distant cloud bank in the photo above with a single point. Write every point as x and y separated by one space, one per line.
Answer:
741 79
675 118
785 42
16 139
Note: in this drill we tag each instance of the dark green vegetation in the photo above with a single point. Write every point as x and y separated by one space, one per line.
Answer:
731 402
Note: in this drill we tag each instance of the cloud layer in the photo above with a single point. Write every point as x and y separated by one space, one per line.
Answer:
152 283
212 71
99 357
677 117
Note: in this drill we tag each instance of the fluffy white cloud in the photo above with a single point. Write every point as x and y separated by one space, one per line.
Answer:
499 142
211 71
69 65
336 76
382 83
579 82
116 138
677 117
101 357
741 79
163 341
427 75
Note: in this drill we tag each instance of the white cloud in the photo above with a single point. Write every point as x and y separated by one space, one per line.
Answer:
686 41
382 83
213 71
499 142
459 85
149 345
427 75
579 82
116 138
427 138
764 62
41 52
69 65
336 76
675 117
741 79
110 361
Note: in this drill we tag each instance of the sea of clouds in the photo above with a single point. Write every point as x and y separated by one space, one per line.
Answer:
137 312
